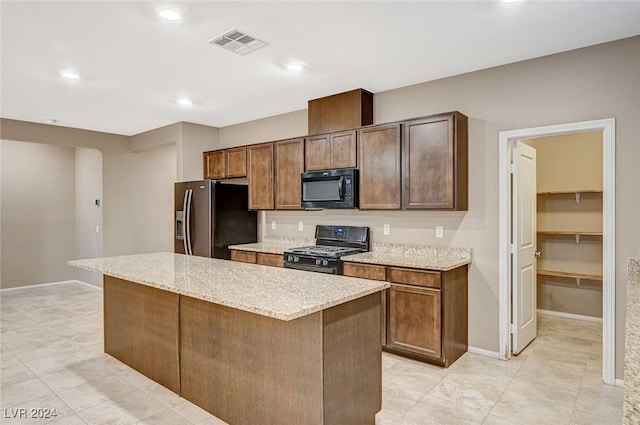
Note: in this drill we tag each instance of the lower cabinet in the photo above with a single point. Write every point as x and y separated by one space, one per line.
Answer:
425 311
275 260
414 320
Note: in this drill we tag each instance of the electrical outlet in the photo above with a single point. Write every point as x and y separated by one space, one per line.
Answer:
439 232
386 229
273 225
300 226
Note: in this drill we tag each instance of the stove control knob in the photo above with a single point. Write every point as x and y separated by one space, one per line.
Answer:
318 261
325 262
289 257
296 259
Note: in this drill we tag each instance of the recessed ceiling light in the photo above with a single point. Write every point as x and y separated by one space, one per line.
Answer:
51 121
184 101
69 74
172 15
294 66
510 1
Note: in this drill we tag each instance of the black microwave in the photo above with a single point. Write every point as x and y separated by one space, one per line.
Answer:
331 189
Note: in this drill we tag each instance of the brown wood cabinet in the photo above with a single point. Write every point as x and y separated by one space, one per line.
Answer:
289 164
435 163
414 320
340 111
236 162
214 165
331 151
380 167
225 163
263 258
243 256
260 174
425 312
274 260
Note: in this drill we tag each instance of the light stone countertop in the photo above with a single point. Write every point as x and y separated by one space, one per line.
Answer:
414 256
632 349
284 294
274 245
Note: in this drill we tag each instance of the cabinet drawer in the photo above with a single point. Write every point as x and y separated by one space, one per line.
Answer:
243 256
414 277
364 271
274 260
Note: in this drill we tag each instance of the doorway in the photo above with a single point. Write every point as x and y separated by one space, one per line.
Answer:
507 139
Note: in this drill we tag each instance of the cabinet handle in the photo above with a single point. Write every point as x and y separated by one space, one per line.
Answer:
538 254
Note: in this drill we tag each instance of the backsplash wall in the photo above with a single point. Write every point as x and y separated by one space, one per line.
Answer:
407 227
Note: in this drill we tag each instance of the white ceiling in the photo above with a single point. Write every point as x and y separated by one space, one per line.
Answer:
135 66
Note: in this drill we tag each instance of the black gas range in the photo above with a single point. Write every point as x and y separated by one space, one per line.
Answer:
332 242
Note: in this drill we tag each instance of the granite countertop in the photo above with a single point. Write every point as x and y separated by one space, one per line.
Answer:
274 245
414 256
632 349
284 294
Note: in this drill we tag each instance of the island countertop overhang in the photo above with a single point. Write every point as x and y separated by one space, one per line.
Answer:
283 294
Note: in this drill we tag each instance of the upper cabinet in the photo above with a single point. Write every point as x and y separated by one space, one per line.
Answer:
435 163
331 151
236 162
380 167
340 112
214 165
289 164
260 174
225 163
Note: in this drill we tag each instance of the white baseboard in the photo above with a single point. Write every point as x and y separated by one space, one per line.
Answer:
570 316
619 383
43 285
483 352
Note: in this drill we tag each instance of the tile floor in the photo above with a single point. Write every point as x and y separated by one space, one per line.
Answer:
51 358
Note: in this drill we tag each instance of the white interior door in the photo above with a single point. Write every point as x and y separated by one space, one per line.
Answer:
524 283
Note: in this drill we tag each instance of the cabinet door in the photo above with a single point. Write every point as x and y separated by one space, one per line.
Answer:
380 167
214 165
318 153
435 163
243 256
414 320
274 260
260 174
237 162
289 164
344 149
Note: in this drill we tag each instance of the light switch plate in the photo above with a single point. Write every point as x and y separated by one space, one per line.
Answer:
273 225
300 226
386 229
439 232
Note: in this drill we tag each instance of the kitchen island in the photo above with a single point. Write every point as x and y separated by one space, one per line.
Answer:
250 344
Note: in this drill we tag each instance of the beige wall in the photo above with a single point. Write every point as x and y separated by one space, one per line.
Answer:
38 213
195 140
278 127
88 215
596 82
138 201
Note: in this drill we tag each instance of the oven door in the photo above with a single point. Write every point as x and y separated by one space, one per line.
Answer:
312 264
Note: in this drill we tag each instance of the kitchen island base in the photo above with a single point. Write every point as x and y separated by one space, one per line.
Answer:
246 368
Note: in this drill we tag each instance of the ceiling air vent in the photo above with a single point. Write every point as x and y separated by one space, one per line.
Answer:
237 42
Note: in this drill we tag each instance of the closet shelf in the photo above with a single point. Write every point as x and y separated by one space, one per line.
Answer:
571 275
568 192
568 232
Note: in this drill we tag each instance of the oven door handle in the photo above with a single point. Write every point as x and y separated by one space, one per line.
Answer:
340 187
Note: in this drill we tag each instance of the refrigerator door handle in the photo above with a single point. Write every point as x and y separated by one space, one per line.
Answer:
188 248
185 220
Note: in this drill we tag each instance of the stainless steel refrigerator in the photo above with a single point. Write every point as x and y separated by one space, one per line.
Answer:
210 216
